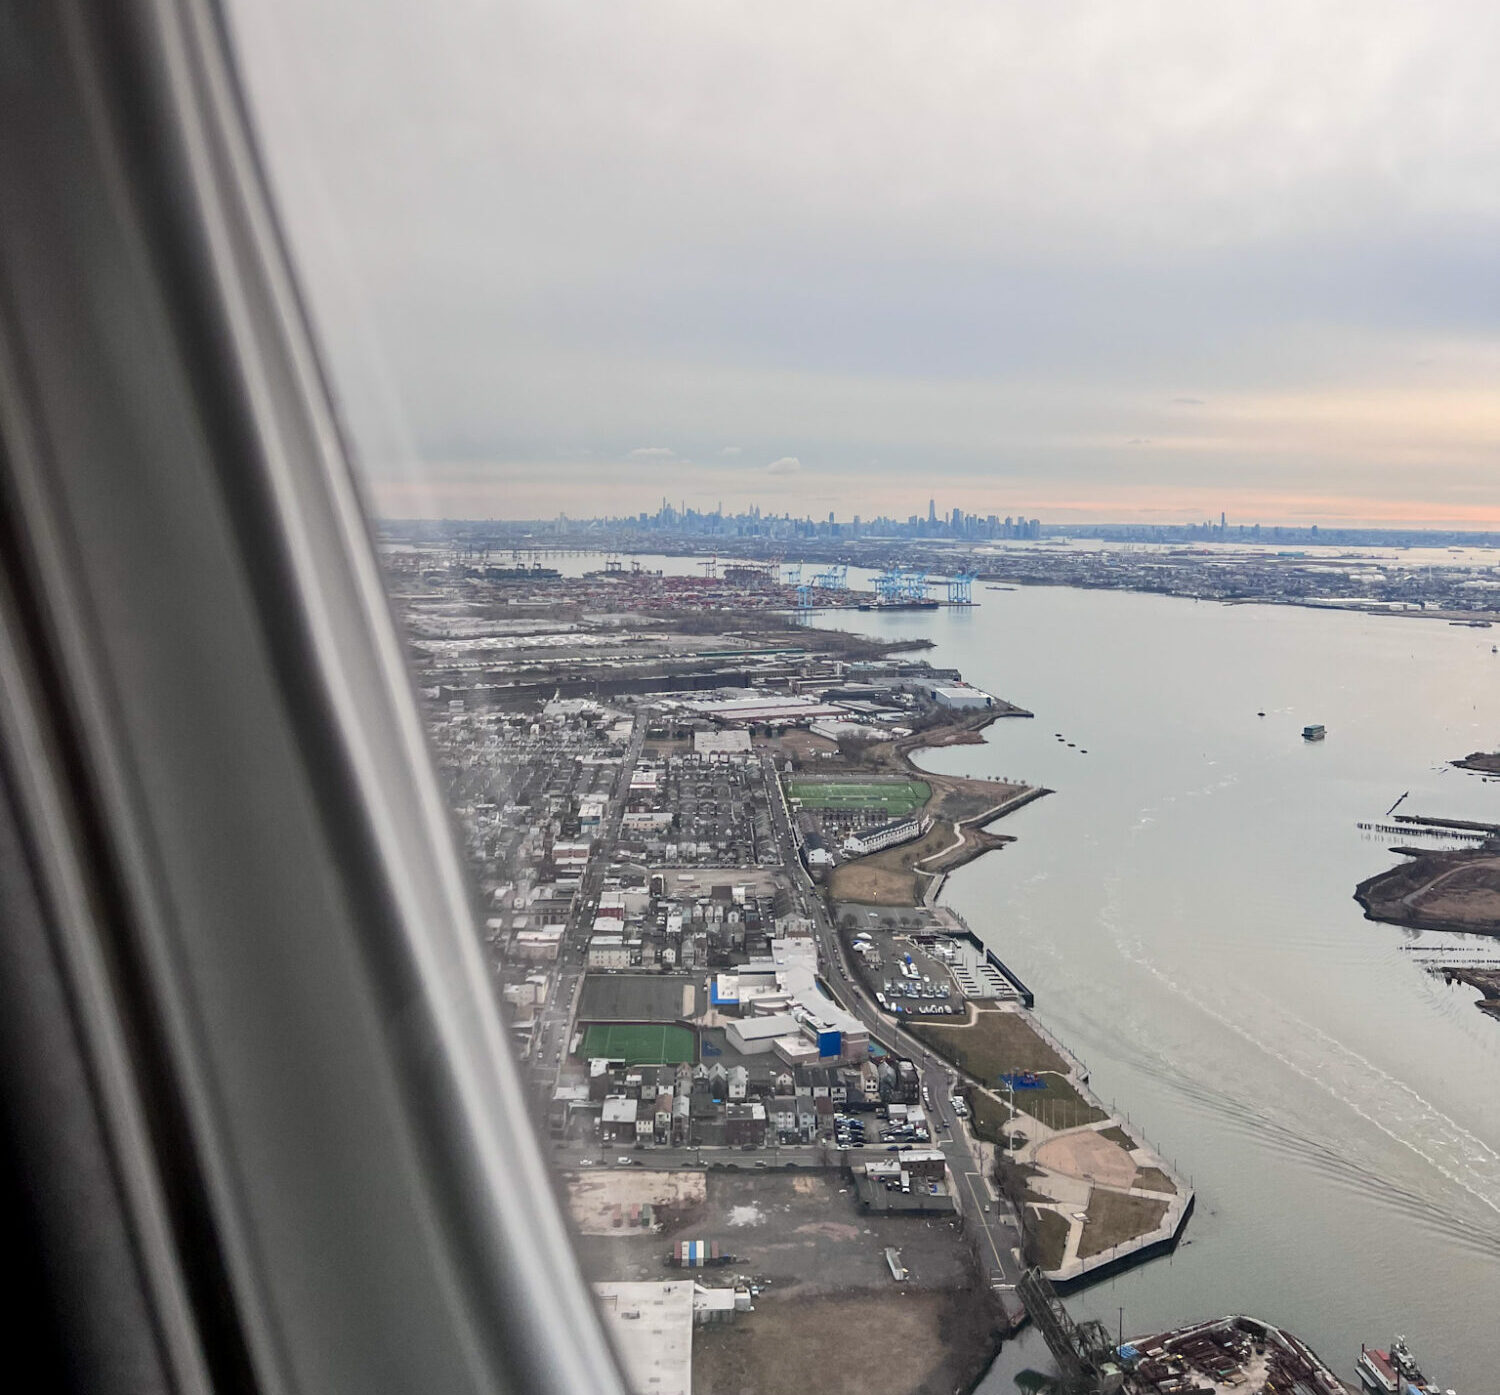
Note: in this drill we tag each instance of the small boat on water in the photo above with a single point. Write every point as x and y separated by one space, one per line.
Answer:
1316 732
1393 1372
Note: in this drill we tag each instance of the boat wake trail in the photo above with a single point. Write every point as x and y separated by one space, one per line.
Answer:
1381 1100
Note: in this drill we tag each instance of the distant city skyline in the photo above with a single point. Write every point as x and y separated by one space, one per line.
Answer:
1142 264
504 492
681 523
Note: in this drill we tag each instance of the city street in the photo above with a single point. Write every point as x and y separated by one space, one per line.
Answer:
549 1044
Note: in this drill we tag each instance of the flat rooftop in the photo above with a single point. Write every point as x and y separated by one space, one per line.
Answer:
651 1326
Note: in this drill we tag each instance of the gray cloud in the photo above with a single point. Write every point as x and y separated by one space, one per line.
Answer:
986 245
787 465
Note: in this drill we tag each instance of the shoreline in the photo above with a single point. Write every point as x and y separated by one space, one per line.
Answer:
1447 878
1467 618
1481 762
1076 1187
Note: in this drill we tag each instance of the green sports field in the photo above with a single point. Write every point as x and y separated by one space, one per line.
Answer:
894 797
640 1043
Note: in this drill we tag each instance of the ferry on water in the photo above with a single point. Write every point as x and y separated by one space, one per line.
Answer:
1393 1372
1315 732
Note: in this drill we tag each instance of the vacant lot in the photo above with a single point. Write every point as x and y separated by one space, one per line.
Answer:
887 1340
867 880
1114 1217
892 797
795 1232
607 1201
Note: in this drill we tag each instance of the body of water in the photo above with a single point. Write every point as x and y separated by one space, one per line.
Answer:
1182 908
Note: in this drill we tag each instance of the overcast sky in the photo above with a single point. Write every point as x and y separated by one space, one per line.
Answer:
1081 261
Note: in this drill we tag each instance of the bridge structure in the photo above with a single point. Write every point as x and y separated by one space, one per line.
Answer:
1083 1351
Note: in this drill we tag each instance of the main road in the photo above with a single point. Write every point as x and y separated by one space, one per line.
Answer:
990 1216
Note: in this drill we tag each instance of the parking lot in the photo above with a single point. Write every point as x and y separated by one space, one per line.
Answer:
910 978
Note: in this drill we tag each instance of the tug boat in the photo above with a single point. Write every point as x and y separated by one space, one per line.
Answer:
1393 1372
1316 732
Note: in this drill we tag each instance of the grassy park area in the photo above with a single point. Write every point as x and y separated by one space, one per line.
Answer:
1048 1235
1114 1218
996 1043
993 1044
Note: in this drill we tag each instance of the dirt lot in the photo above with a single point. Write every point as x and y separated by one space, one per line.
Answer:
798 1232
800 746
601 1202
887 1341
874 884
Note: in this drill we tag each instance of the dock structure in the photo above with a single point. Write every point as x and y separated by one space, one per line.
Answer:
1225 1356
1428 829
1490 830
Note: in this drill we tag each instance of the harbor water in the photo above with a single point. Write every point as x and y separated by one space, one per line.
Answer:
1182 907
